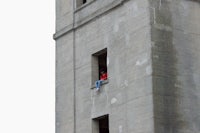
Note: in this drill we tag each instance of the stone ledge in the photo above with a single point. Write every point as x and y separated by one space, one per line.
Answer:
63 31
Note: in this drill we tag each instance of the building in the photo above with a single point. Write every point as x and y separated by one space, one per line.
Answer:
150 50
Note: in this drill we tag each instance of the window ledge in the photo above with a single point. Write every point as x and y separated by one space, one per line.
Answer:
103 83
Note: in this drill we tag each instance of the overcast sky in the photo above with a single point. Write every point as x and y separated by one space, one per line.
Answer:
27 66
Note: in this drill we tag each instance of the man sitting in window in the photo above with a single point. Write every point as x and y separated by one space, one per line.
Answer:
103 76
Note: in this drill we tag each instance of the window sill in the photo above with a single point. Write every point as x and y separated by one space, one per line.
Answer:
103 83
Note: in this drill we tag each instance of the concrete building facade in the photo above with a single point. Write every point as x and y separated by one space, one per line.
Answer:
151 49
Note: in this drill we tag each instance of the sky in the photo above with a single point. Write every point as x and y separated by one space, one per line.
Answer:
27 66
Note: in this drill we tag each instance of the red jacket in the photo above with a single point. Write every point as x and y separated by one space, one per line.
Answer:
104 76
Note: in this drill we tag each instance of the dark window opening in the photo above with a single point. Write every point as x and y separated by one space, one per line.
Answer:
99 65
104 125
101 124
102 61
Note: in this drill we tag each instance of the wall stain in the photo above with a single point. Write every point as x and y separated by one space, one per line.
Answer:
166 94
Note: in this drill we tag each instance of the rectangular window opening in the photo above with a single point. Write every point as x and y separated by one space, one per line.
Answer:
99 65
102 62
101 124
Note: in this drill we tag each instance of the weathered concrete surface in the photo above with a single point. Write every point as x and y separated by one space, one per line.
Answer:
175 37
127 98
64 84
64 14
154 60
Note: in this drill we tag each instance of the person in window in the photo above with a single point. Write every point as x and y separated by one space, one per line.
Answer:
103 76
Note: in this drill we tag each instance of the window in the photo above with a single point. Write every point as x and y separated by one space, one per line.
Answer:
80 2
99 64
101 124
